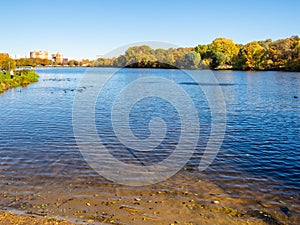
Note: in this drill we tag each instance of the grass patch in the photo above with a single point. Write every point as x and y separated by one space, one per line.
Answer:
20 78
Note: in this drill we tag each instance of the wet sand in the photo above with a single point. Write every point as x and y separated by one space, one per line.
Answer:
7 218
171 202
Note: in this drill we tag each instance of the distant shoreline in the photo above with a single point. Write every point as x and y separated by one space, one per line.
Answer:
229 69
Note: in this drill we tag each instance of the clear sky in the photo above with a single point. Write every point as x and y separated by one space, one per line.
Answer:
86 28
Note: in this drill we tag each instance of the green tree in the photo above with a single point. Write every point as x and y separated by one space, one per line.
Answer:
120 61
180 57
169 57
219 59
160 54
140 56
192 59
203 51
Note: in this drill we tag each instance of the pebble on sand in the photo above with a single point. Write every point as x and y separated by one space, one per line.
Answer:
215 202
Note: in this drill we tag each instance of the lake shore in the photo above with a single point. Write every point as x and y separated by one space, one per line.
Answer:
45 176
175 201
20 78
8 218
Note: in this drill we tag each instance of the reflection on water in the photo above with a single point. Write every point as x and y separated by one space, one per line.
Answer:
258 161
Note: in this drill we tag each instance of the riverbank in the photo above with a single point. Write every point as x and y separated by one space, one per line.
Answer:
20 78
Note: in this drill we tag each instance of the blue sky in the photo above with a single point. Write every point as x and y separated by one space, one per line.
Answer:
86 28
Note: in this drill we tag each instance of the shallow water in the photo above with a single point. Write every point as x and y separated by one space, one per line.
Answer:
257 165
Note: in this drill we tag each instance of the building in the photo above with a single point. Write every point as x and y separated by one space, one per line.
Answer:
57 58
39 55
65 60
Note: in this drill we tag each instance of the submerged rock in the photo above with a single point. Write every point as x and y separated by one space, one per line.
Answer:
285 210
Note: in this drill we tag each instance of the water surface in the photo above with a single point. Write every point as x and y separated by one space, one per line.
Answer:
258 161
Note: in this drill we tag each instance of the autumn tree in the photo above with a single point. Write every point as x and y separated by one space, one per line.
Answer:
202 50
73 62
222 53
250 56
6 63
225 46
169 57
179 55
140 56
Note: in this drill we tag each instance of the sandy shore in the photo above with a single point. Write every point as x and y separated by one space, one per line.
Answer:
7 218
92 202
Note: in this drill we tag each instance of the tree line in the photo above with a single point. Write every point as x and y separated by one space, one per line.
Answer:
47 62
222 53
7 63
